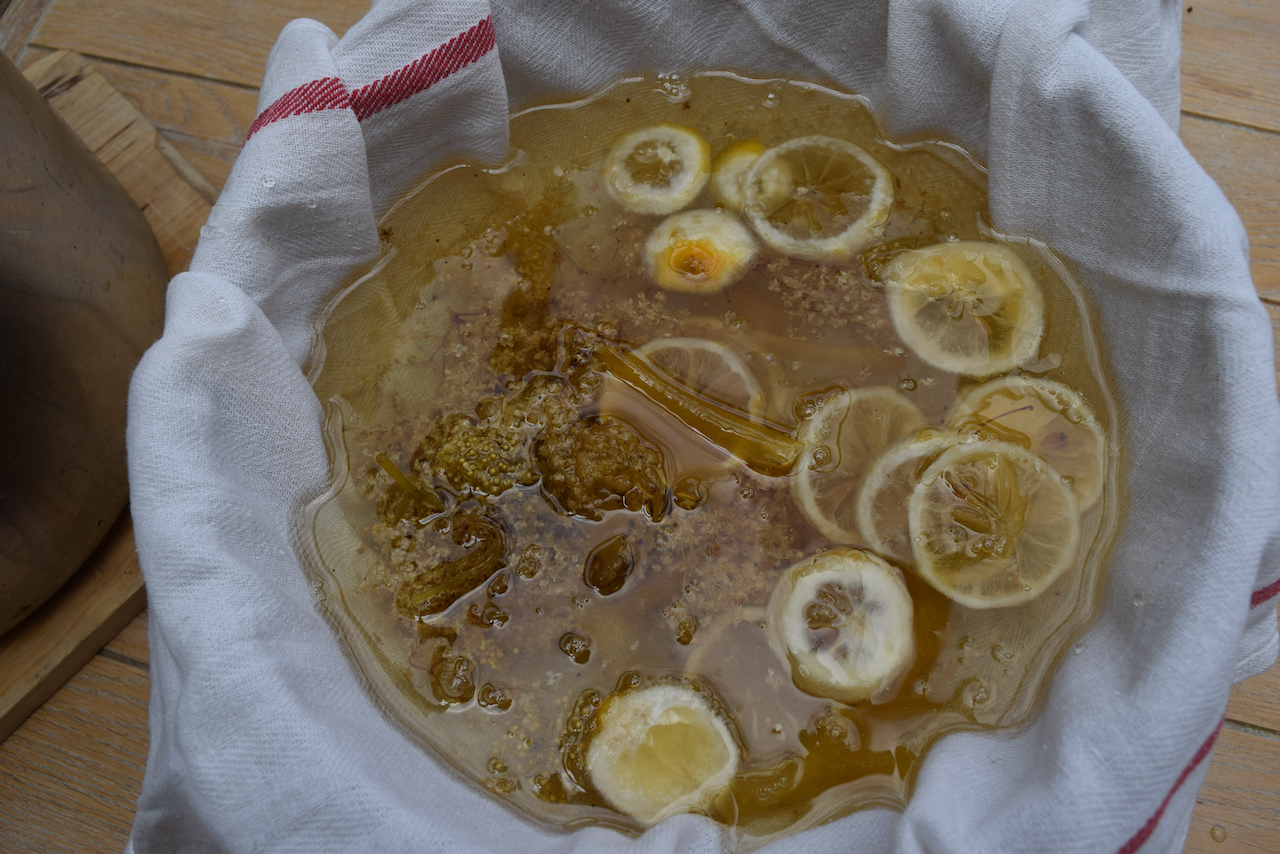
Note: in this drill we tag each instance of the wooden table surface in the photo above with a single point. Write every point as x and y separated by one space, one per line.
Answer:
70 775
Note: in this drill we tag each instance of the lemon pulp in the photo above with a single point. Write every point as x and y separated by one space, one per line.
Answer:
658 169
817 198
842 620
992 525
971 307
659 750
847 432
699 251
1046 417
886 491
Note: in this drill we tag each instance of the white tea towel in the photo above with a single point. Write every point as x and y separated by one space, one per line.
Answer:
262 736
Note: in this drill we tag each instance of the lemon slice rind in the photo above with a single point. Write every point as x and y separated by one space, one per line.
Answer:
658 751
843 622
729 170
1048 418
688 361
827 492
682 151
1007 564
886 491
765 187
699 251
949 302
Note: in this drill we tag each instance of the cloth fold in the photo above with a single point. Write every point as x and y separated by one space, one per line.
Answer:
263 736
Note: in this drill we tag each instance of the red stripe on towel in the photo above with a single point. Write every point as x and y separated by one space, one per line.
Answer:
328 93
424 72
1269 592
1144 834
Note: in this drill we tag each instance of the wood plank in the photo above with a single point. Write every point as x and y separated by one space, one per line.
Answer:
1246 165
17 23
1256 701
183 110
71 774
204 109
1228 61
173 196
1273 309
130 646
1240 797
55 641
226 40
213 159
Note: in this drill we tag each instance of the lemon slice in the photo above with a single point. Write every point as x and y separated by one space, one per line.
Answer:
992 525
817 198
1047 418
700 252
969 307
842 439
842 620
886 491
658 751
709 368
658 169
729 170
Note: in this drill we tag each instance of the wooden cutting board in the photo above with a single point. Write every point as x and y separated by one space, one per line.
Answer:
44 651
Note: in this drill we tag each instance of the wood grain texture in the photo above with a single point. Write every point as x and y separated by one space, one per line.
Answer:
224 40
17 23
213 159
130 646
1228 61
65 632
1246 165
71 774
1256 702
1240 797
204 109
149 167
205 122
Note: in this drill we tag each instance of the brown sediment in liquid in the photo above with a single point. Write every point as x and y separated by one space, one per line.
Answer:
493 624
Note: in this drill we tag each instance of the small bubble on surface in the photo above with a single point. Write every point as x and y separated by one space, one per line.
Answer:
1079 647
268 182
671 87
576 646
503 785
1218 833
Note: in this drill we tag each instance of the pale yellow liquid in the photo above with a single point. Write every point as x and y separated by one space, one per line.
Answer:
536 645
